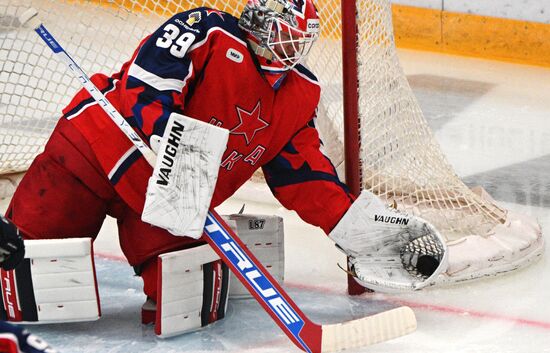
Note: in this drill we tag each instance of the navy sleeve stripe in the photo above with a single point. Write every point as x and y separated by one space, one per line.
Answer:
73 113
157 82
124 164
302 71
288 178
280 173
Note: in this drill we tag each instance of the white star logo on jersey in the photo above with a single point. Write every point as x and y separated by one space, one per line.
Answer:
249 123
215 12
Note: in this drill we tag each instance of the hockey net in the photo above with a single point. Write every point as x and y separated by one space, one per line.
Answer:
398 157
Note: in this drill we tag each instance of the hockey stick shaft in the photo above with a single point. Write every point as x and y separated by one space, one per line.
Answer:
57 49
305 334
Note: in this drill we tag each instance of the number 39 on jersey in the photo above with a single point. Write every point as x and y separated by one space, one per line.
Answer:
178 44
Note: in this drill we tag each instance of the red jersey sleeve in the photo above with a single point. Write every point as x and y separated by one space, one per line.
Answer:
164 69
303 179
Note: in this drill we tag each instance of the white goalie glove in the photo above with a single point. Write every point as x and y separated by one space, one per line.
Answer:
389 250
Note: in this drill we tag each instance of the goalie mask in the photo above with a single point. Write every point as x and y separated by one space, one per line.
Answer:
282 31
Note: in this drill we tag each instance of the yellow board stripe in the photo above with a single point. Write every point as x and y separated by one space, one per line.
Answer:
472 35
417 28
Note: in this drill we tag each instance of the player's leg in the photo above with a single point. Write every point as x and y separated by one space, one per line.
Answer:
190 290
185 282
64 194
141 243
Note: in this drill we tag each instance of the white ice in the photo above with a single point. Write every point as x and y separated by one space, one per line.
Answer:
492 120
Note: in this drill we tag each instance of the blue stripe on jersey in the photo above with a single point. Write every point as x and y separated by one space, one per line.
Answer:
302 69
124 166
157 82
147 97
20 337
302 175
91 100
279 172
279 81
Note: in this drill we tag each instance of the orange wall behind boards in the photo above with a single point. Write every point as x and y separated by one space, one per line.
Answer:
472 35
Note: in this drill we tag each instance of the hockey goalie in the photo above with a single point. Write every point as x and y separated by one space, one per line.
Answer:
216 97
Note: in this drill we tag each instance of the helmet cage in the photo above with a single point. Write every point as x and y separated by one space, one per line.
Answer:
288 44
278 30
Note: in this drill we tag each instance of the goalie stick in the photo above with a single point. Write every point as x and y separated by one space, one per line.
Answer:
305 334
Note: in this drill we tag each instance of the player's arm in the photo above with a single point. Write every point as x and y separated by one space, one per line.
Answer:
157 83
388 250
303 179
157 80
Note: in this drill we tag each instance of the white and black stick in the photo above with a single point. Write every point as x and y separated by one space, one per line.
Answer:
303 332
30 19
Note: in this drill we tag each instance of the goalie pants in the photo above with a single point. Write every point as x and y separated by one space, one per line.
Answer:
66 194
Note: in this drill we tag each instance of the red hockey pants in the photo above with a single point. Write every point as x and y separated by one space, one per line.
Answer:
66 194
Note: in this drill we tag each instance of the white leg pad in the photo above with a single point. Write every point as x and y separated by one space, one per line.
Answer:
184 297
264 236
192 290
55 283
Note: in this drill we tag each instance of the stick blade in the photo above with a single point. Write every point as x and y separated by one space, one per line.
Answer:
368 330
29 18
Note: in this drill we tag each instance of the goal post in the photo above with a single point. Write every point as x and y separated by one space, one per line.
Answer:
350 85
384 146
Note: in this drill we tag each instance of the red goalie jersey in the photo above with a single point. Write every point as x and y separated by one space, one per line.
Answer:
198 64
